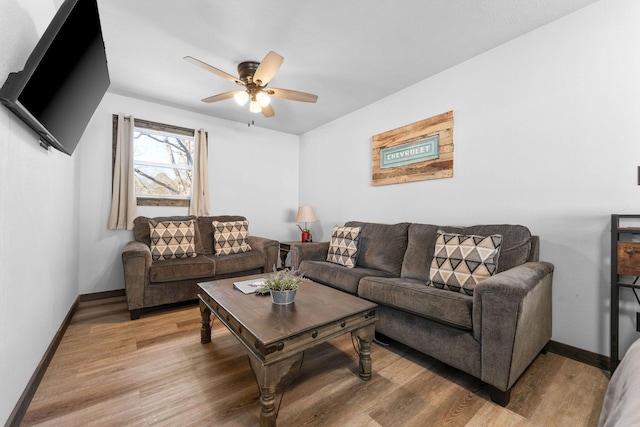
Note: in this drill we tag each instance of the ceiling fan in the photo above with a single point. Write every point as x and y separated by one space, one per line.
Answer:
254 77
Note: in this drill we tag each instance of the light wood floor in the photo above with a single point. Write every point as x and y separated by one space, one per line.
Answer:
111 371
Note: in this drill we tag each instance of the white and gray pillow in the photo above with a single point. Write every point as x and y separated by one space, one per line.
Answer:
461 261
343 246
172 239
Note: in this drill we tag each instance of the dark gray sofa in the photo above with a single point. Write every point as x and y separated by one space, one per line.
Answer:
151 283
493 335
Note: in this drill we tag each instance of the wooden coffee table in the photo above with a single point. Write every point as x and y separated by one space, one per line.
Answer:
275 336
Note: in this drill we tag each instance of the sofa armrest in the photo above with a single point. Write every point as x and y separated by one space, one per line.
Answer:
136 261
512 320
269 247
312 251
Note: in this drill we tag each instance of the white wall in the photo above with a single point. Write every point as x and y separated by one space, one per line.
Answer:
38 213
546 134
252 172
55 244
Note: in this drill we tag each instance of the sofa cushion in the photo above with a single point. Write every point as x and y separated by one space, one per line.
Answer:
419 253
230 237
515 250
239 262
141 231
516 242
334 275
343 246
204 225
381 246
462 261
411 295
172 239
172 270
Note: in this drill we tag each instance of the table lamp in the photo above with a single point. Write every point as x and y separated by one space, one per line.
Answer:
305 214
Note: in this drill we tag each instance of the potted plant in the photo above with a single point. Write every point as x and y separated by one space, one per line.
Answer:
282 285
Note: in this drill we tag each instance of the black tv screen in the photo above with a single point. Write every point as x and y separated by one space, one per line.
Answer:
64 78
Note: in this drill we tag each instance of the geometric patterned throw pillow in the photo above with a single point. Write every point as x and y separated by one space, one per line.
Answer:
230 237
460 262
172 239
343 247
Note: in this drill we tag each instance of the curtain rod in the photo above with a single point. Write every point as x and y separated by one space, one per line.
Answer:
151 124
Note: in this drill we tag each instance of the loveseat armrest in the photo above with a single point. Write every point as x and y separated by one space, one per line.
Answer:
512 321
310 251
137 249
269 247
136 261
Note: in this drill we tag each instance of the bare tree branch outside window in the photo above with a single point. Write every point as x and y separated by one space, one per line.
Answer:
163 164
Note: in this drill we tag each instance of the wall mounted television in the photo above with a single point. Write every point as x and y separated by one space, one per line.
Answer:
64 78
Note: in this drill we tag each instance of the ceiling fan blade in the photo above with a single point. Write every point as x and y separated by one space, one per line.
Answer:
213 70
221 96
292 95
268 111
267 68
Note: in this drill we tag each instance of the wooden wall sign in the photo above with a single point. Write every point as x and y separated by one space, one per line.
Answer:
419 151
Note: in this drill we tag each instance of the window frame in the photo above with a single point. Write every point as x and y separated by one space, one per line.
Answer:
160 127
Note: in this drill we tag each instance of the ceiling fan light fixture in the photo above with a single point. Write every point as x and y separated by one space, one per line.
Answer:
254 78
255 107
241 97
263 99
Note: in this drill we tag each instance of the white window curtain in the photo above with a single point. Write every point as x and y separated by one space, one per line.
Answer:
200 203
123 198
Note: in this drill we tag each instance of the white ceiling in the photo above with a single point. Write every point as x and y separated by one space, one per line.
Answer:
349 53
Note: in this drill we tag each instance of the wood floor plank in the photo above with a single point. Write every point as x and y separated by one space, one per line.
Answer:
111 371
576 386
493 415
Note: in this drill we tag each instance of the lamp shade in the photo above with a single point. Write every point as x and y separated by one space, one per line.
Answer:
306 214
254 107
241 97
263 99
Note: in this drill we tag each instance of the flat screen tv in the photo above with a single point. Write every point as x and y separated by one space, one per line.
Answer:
64 78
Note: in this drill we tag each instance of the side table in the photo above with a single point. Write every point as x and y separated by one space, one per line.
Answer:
285 248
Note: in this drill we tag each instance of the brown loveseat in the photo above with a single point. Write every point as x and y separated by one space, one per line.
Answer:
493 334
150 283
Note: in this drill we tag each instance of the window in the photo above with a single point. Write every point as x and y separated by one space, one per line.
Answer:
162 162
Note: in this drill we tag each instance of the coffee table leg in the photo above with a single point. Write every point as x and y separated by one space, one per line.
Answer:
268 377
365 336
205 330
